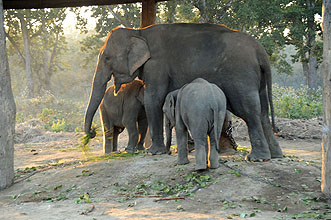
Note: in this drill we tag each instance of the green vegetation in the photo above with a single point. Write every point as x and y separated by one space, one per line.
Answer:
297 103
53 113
190 183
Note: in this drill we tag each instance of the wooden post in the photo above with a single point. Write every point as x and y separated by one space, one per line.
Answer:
148 13
326 72
148 16
7 113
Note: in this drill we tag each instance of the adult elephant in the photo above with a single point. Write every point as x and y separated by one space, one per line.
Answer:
167 56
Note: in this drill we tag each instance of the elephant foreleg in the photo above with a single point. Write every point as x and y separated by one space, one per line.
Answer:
153 107
107 131
142 127
133 137
115 138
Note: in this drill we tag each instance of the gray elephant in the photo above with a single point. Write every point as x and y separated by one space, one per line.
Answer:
124 110
200 109
167 56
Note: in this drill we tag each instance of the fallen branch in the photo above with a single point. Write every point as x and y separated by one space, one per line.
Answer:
168 198
147 195
88 211
138 195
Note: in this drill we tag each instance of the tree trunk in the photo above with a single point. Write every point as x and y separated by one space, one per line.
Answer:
312 72
203 11
201 5
305 68
148 13
27 53
326 72
7 113
171 11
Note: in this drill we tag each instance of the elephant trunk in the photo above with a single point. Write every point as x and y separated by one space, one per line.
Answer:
97 92
168 130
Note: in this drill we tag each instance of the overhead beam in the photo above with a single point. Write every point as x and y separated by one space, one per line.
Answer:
36 4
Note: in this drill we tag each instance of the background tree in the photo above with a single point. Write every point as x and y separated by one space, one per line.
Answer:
326 138
7 114
305 34
42 34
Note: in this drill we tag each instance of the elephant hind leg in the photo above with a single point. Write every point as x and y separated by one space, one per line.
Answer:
249 109
201 153
275 150
181 137
212 152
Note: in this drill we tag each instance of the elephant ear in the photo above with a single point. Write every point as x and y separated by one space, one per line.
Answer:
172 105
138 54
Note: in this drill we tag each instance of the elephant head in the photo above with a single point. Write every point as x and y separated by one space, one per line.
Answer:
123 53
170 116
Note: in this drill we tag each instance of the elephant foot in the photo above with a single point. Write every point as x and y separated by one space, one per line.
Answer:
276 152
214 164
154 150
199 167
131 149
190 147
258 157
141 147
183 161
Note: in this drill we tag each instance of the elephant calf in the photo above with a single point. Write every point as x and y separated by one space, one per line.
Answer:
124 110
200 108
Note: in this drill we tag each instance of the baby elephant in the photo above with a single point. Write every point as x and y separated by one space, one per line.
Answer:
124 110
200 108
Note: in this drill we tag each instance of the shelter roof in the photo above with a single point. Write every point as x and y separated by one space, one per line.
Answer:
29 4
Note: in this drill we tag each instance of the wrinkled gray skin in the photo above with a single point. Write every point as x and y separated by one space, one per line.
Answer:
168 130
224 142
125 110
200 108
167 56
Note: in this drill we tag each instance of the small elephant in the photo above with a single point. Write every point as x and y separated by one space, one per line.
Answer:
124 110
200 108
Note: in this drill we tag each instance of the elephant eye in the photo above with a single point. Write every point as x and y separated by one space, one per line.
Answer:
107 58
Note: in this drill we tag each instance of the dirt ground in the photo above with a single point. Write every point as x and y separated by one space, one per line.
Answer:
55 181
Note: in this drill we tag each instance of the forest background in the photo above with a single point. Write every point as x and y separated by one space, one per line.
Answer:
53 52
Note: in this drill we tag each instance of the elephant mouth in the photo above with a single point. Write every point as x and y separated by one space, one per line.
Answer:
117 87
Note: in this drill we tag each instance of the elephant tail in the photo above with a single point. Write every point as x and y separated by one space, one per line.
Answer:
218 124
267 72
